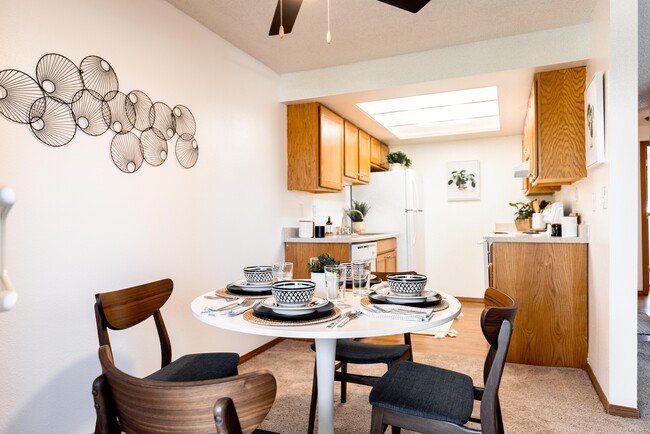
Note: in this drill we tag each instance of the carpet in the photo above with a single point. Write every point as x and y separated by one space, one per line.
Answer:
643 379
535 399
643 324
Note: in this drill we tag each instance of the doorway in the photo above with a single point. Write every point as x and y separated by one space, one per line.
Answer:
643 172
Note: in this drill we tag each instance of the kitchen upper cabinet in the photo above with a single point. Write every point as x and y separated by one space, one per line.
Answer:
315 138
364 157
356 165
554 131
378 153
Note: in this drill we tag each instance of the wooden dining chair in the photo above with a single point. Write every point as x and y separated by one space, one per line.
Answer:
125 308
231 405
349 351
425 398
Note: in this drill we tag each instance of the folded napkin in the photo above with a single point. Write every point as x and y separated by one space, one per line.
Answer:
231 312
399 312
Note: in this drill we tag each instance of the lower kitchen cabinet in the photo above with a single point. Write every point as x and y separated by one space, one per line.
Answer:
387 256
299 254
549 283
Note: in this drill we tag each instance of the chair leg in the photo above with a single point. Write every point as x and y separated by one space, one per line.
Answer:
395 430
499 418
312 404
106 422
377 425
225 417
344 384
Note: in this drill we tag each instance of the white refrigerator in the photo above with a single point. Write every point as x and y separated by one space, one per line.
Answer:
395 206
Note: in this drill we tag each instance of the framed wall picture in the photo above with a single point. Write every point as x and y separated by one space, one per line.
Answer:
463 180
595 121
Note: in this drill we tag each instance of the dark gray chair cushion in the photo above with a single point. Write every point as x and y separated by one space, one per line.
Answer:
349 351
425 391
198 367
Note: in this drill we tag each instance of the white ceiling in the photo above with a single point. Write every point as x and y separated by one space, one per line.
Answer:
368 29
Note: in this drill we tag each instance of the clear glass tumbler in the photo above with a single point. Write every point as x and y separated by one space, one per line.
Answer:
335 282
283 271
360 278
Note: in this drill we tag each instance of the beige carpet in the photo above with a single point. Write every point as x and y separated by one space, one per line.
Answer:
535 399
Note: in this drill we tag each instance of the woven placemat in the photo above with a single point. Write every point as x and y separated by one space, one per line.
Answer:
250 317
365 301
226 293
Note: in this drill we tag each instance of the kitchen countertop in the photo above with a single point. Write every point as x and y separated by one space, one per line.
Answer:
292 237
520 237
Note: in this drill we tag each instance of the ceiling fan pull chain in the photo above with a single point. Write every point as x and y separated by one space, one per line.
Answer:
329 35
281 32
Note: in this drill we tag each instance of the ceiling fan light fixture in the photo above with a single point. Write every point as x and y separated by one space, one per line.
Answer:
281 30
328 37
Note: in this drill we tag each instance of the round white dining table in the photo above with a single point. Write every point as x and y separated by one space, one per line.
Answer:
325 338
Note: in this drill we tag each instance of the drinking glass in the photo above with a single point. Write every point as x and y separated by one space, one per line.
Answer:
335 282
360 277
283 271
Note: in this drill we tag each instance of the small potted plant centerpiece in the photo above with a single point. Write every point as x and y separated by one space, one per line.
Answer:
317 269
357 214
398 160
523 215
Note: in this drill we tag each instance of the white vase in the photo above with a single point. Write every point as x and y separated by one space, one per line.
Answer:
358 227
396 166
319 280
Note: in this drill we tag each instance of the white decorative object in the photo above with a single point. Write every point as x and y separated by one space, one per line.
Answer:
463 180
319 280
8 295
595 121
569 226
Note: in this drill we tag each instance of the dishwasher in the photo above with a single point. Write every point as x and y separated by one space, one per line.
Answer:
365 252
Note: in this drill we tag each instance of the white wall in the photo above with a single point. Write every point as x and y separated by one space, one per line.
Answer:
81 226
613 224
454 230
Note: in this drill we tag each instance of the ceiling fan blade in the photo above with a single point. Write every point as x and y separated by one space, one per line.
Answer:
290 10
408 5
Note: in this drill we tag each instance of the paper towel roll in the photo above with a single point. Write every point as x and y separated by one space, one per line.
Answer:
569 226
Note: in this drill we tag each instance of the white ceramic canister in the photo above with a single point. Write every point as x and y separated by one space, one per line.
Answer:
306 229
569 226
538 221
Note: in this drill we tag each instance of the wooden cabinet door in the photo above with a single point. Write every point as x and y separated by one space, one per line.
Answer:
375 152
560 127
391 262
364 157
299 254
331 150
351 153
549 283
384 151
381 263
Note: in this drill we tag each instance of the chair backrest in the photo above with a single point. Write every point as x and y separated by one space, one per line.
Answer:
124 308
185 407
497 320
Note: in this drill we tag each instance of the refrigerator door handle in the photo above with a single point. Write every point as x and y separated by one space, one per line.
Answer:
412 210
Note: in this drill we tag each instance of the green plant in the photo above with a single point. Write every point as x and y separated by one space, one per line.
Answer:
358 211
461 178
524 210
398 157
322 260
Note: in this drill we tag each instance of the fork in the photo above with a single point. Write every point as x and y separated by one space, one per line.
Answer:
245 303
351 315
338 320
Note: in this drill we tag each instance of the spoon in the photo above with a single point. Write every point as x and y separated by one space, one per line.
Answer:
352 315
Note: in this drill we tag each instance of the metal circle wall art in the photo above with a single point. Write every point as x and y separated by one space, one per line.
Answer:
18 91
59 77
126 152
187 150
63 98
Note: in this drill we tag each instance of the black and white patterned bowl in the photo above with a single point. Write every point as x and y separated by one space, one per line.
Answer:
259 274
293 292
407 284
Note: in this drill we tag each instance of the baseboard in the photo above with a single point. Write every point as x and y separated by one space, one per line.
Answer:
259 350
614 410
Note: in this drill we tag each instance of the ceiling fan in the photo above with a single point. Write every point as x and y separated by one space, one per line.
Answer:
290 10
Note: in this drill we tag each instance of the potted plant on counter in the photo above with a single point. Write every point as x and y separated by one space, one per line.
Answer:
317 269
357 214
398 160
523 215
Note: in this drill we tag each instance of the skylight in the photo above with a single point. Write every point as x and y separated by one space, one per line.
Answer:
438 114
